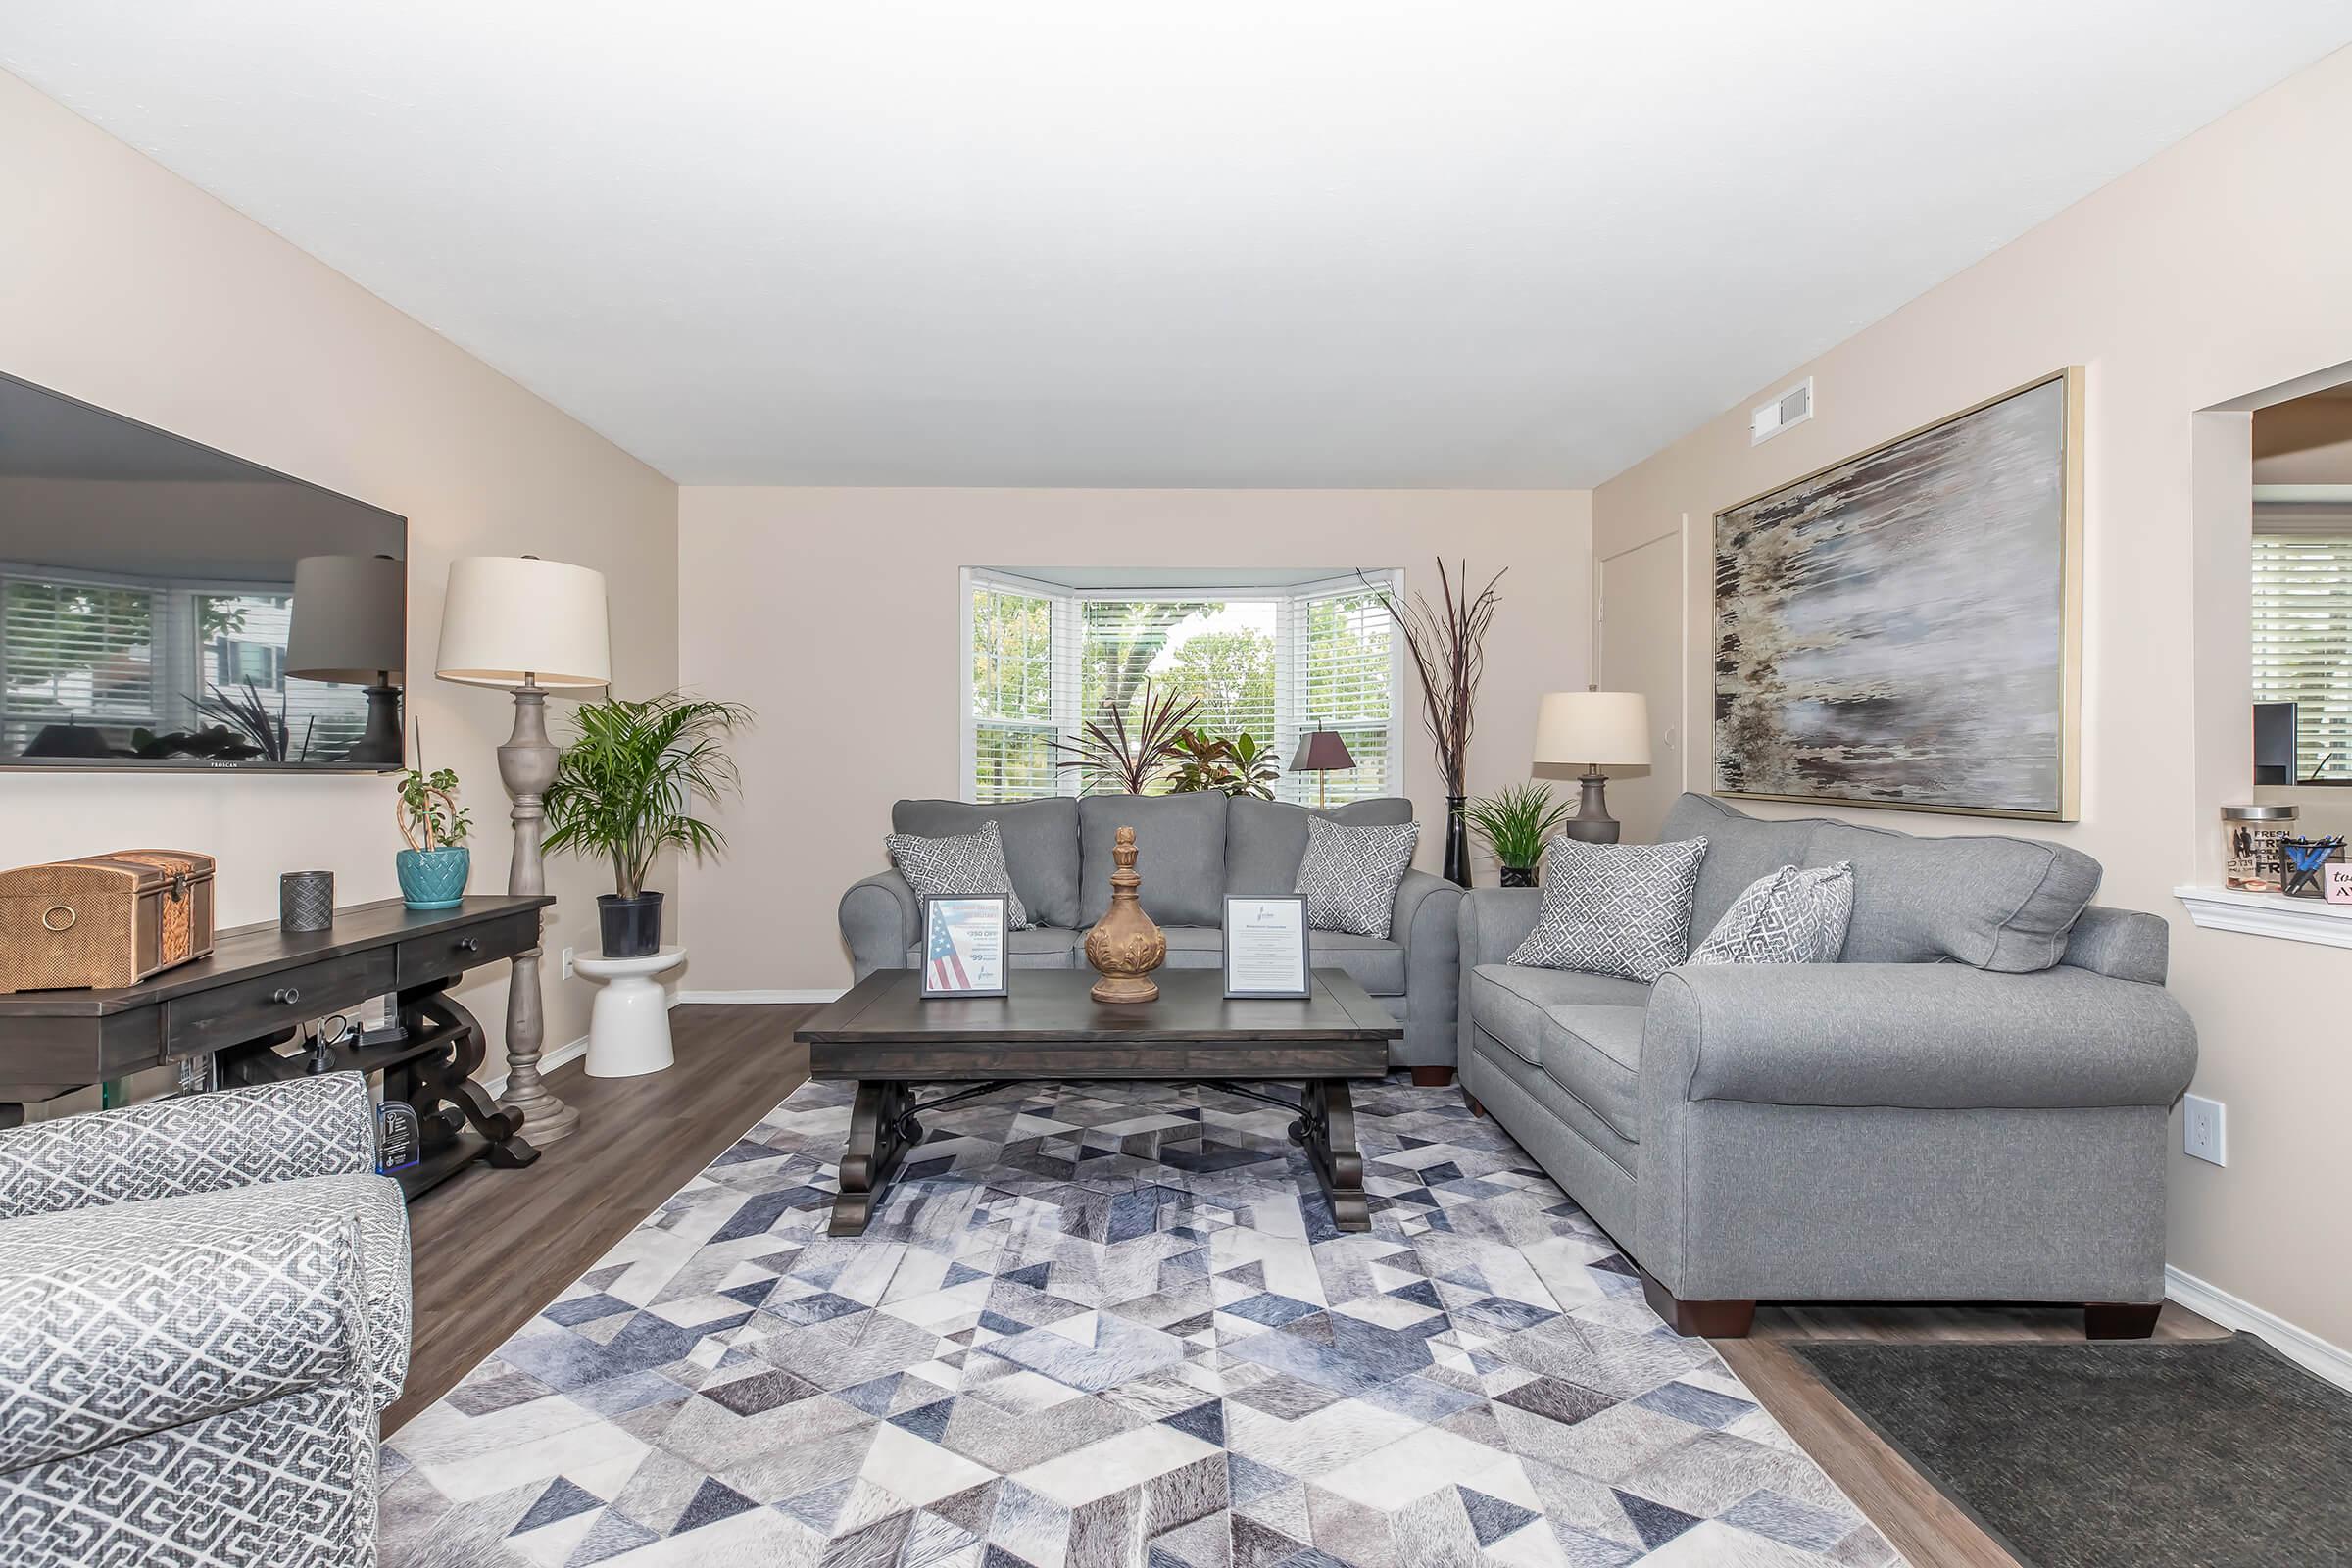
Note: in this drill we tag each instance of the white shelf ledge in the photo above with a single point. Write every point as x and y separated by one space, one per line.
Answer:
2268 914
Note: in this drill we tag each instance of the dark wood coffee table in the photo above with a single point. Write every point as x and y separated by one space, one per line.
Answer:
888 1038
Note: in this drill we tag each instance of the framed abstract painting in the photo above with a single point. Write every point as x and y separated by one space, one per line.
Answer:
1903 629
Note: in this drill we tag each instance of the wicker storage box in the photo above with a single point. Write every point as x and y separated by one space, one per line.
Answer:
105 920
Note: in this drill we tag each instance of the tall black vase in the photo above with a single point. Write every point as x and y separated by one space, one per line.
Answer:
1457 841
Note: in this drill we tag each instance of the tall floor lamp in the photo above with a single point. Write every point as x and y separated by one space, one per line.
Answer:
531 626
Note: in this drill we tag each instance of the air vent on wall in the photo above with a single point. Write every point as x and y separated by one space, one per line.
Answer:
1792 407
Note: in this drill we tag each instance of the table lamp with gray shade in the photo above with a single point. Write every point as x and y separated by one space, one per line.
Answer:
1592 730
349 624
531 626
1321 752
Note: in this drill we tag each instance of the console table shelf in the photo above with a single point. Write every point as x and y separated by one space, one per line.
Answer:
260 984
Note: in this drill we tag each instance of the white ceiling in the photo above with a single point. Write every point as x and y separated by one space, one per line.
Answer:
1201 242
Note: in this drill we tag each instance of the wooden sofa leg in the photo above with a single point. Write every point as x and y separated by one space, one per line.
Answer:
1431 1077
1712 1321
2120 1321
1471 1099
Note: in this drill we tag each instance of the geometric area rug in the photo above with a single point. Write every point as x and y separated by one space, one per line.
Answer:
1106 1324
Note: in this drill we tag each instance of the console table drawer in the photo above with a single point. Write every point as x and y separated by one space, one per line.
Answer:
449 953
248 1009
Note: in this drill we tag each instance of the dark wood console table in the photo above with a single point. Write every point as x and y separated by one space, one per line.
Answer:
261 984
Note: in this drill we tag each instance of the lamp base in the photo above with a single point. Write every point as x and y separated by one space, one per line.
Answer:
380 741
1592 823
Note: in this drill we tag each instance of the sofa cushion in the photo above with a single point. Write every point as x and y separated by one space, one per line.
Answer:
1739 850
1614 909
1038 948
1041 846
1512 1001
1594 1053
1376 963
1350 874
1180 853
1265 840
1996 903
958 866
1190 947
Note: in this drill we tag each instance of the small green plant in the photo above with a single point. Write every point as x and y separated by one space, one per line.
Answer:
1515 822
1238 766
430 809
627 785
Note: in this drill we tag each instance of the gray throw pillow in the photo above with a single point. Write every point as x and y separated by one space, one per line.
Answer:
1614 909
1350 874
967 863
1791 916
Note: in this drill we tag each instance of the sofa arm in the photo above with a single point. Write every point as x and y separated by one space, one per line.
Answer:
116 1326
880 920
212 1143
1427 923
1494 922
1925 1036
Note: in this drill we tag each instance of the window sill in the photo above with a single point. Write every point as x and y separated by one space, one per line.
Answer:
2268 914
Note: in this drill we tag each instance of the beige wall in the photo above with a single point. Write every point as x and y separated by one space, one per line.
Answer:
123 285
835 613
2205 276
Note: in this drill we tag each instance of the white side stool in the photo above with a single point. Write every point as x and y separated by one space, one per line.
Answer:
628 1028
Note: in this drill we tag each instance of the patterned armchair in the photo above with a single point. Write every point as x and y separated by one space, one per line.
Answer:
203 1307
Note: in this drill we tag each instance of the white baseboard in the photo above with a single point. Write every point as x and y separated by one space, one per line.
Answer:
760 999
549 1062
2300 1346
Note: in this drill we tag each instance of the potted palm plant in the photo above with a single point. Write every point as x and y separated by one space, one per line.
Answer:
626 790
1515 822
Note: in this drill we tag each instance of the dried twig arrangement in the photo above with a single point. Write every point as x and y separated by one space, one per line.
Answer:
1448 644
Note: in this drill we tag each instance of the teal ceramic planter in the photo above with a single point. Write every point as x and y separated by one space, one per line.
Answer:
433 879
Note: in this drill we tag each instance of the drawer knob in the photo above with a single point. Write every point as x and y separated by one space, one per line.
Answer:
289 994
469 943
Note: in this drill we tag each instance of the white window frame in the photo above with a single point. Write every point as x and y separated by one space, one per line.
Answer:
1290 662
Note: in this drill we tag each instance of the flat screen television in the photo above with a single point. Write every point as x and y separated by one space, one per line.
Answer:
164 606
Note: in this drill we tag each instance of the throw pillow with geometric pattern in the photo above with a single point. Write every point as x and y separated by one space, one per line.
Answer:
953 867
1614 909
1791 916
1349 875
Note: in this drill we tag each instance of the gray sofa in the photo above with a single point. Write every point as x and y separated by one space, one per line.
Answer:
204 1307
1972 1105
1195 849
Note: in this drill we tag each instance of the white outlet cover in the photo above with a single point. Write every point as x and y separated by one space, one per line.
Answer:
2205 1129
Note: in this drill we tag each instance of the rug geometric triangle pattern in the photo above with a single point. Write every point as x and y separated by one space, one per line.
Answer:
1113 1324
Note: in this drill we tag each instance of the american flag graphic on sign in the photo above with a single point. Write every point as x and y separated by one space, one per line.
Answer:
947 969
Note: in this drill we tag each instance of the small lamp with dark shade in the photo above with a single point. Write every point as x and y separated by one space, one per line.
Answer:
1592 730
349 624
1321 752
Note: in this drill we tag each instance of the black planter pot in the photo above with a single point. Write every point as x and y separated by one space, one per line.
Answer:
1457 841
1518 876
632 927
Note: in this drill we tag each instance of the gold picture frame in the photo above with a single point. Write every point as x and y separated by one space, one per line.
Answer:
1817 724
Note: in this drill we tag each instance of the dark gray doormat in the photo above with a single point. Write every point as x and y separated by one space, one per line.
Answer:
2208 1452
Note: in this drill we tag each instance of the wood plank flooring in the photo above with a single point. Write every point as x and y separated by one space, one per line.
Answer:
491 1248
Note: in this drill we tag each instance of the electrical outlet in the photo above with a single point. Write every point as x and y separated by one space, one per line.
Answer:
2205 1129
567 963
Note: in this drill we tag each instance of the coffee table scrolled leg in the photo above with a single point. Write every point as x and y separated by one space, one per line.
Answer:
879 1122
1328 1121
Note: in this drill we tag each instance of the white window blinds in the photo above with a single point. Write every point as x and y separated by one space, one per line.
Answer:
2303 640
1266 661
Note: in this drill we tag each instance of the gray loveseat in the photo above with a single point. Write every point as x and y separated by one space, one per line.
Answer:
1193 849
1971 1105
